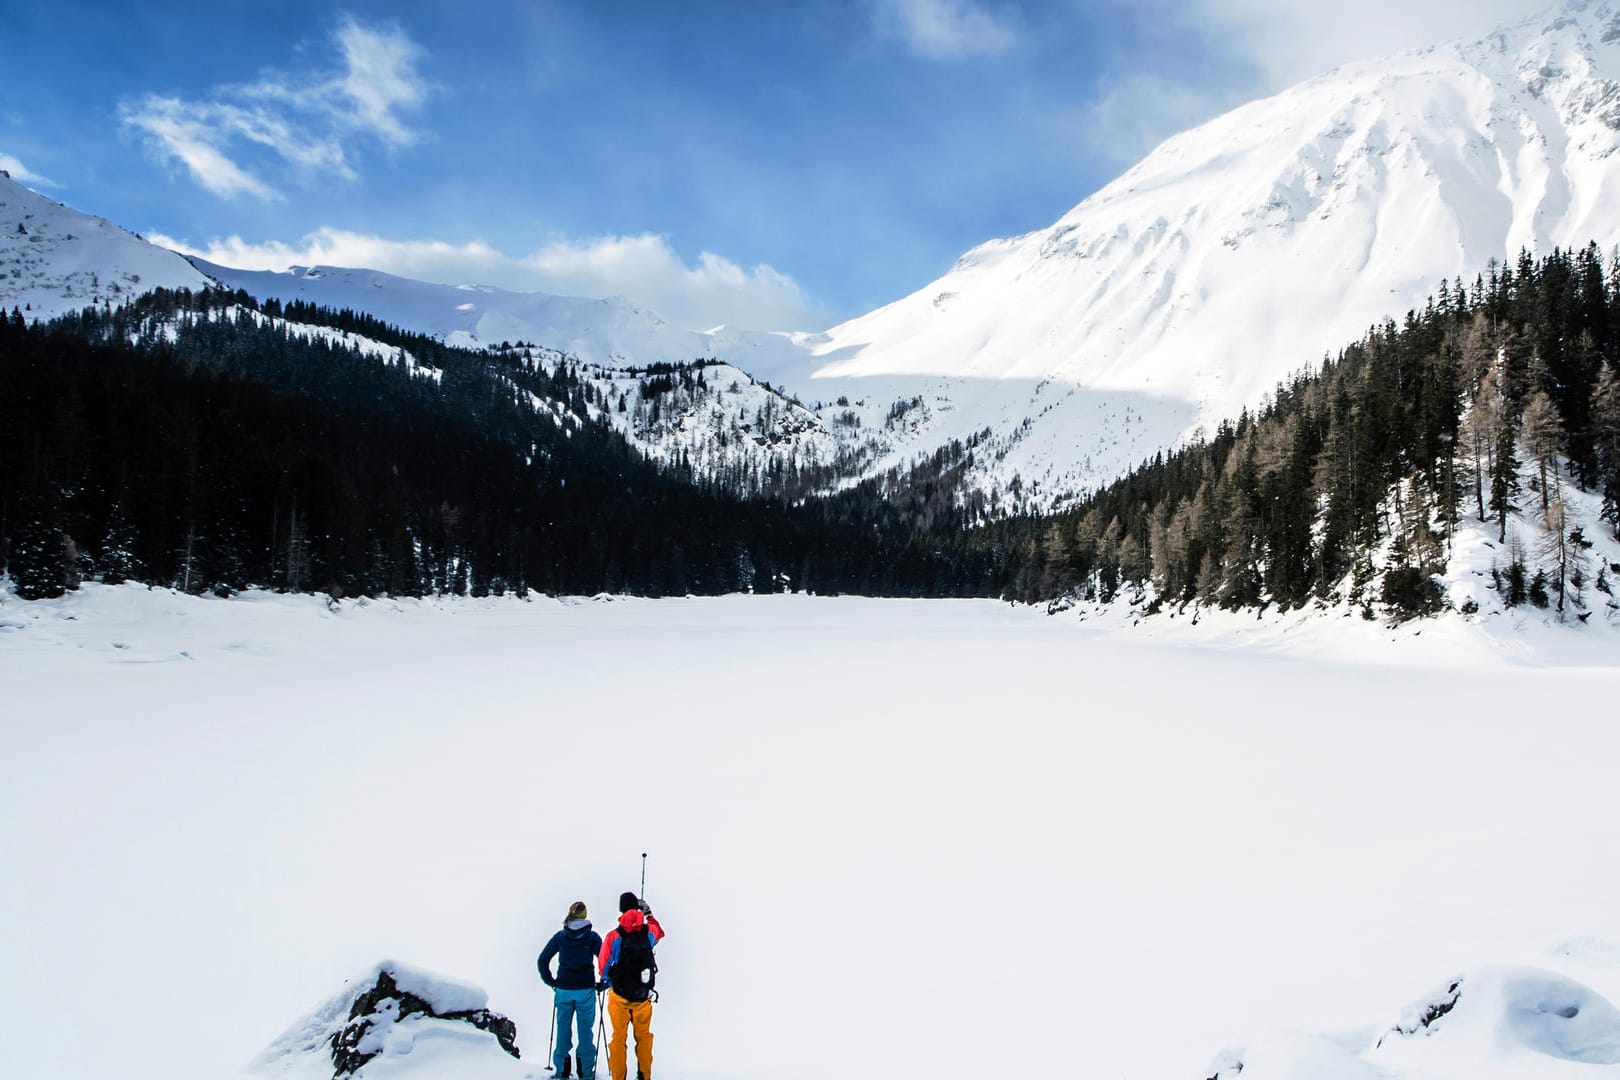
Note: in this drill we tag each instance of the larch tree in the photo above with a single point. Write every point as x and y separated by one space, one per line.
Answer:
1542 432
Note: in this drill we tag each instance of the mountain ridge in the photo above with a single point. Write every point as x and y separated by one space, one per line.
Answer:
1182 293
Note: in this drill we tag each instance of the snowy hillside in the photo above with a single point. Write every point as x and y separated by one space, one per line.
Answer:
1243 250
54 259
611 332
167 328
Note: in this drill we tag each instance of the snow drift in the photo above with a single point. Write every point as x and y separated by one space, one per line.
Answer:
1496 1023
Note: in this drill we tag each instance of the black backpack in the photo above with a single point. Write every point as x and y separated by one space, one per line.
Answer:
635 973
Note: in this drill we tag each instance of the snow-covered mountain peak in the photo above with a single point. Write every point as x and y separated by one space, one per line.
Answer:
1242 250
54 259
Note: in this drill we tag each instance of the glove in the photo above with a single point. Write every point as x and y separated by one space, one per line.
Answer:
601 985
645 910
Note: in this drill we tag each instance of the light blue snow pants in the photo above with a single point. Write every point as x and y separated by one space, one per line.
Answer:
576 1009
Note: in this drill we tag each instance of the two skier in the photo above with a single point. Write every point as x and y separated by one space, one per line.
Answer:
628 970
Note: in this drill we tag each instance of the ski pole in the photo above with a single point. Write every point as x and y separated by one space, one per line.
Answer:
601 1029
643 877
551 1050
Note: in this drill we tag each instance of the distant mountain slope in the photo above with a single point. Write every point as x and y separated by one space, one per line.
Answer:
54 259
728 426
1243 250
613 331
610 332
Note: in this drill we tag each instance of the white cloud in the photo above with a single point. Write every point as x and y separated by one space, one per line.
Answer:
303 120
945 29
22 173
192 134
1290 41
712 291
381 78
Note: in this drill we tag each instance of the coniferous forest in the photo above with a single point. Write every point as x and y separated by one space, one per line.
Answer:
157 444
195 441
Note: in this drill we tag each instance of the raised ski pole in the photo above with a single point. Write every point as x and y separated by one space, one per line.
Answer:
643 893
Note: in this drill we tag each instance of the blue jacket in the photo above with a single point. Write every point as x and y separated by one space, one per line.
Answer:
575 946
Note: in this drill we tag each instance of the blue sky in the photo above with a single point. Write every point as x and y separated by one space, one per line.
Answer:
765 164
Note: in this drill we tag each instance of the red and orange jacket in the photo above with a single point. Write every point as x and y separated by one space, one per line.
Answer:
629 922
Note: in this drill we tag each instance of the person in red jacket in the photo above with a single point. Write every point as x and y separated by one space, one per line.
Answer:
629 973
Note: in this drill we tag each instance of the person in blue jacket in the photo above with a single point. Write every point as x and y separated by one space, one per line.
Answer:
575 948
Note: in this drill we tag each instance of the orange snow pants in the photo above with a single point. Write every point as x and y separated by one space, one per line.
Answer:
623 1015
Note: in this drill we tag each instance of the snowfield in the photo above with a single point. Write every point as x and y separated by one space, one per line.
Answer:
888 838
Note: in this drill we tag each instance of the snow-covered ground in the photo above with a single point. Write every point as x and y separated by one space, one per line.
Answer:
888 838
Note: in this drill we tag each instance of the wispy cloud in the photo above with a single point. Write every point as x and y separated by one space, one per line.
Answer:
381 78
710 291
22 173
301 120
945 29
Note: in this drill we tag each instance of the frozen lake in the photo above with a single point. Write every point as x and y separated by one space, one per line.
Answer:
888 838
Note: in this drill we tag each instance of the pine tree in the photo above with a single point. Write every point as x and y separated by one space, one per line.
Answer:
118 563
1606 435
37 564
1504 478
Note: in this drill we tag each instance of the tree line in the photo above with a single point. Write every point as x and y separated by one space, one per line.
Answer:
193 440
1350 481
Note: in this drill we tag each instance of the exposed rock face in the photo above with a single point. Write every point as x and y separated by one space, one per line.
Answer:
385 1004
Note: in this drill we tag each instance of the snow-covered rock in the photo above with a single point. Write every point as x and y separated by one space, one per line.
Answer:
398 1020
